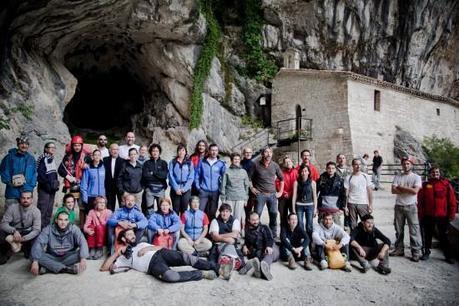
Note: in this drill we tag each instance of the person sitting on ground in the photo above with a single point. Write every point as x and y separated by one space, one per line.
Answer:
327 230
224 231
295 244
68 206
127 217
259 247
194 228
60 248
19 227
156 261
365 246
164 223
95 227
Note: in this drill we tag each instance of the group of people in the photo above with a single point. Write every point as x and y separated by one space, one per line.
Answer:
152 232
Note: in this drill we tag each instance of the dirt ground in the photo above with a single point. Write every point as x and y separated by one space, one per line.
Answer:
434 282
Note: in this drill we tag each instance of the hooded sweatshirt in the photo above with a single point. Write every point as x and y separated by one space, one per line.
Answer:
322 234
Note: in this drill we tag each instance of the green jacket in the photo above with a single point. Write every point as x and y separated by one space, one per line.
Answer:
235 184
71 214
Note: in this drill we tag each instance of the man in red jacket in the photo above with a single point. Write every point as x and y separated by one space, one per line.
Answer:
306 159
436 207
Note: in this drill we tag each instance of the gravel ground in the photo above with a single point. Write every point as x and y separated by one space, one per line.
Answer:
426 283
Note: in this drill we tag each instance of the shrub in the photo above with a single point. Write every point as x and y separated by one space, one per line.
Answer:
442 152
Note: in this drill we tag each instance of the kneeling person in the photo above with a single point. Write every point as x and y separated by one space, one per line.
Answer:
365 246
60 248
156 261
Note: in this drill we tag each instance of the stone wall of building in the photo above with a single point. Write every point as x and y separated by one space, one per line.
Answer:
416 114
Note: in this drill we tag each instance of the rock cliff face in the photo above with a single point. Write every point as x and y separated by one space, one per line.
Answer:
114 65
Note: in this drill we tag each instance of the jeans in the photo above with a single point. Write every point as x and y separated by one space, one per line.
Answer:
375 177
356 211
407 213
305 212
56 263
271 202
285 207
151 202
45 204
208 203
285 253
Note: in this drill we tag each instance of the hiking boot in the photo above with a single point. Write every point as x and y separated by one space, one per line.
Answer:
397 253
323 264
347 267
74 269
365 266
256 269
248 266
210 274
308 264
383 270
226 267
265 270
92 253
415 258
425 256
292 263
42 271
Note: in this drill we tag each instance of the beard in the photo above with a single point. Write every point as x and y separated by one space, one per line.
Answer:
132 243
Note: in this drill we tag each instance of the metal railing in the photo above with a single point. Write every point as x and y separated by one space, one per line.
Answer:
293 129
257 142
388 171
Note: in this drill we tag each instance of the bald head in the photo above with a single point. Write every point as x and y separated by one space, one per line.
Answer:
130 138
114 150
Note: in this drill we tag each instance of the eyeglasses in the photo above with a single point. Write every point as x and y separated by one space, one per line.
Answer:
53 147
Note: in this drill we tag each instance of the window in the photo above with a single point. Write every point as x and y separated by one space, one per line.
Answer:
377 101
438 112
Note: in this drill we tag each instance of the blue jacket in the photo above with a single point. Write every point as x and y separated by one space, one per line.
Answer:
133 215
169 221
194 223
93 182
17 163
181 176
207 177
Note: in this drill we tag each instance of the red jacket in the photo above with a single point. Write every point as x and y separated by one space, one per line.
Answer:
290 176
437 199
314 173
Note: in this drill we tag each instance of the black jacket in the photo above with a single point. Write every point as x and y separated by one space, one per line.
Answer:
294 239
130 178
368 239
111 181
331 186
258 239
154 172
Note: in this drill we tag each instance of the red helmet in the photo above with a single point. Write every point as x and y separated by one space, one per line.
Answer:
77 139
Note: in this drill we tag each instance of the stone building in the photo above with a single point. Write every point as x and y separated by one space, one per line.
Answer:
355 114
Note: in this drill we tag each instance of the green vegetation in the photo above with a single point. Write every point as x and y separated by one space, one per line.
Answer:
259 65
23 109
251 121
202 69
443 153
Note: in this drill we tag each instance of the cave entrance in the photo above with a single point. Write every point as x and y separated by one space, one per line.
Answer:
104 101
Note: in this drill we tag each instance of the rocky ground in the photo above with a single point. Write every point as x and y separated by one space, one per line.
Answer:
426 283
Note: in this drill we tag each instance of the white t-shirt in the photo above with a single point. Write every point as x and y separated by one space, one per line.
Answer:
135 262
103 152
214 228
357 187
124 150
411 180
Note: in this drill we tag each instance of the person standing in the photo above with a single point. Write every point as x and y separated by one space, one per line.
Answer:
406 186
48 183
305 199
92 183
341 167
102 145
263 176
154 176
285 201
306 159
247 162
199 152
130 144
332 195
208 179
18 171
143 155
376 168
437 206
359 194
130 178
365 162
181 178
72 165
234 189
113 165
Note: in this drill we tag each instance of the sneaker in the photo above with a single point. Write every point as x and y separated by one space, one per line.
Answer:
347 267
248 266
383 270
397 253
292 263
226 267
74 269
256 269
425 256
365 266
415 258
265 270
99 253
42 271
308 264
323 264
210 274
92 253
